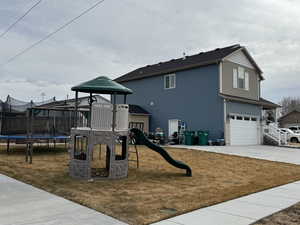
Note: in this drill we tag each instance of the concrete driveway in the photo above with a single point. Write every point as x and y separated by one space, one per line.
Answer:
272 153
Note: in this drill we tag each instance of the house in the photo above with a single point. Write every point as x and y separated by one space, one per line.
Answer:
290 119
218 91
138 117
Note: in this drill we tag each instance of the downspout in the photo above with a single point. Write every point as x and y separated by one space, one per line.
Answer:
224 101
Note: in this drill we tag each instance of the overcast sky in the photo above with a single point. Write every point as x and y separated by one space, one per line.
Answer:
121 35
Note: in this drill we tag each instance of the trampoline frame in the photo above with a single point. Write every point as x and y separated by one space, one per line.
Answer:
31 138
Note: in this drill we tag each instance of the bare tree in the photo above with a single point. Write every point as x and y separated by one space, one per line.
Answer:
289 104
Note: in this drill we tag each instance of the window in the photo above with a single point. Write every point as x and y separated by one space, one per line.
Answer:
80 147
139 125
293 128
240 78
170 81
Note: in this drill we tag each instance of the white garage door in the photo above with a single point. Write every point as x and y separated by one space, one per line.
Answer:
244 130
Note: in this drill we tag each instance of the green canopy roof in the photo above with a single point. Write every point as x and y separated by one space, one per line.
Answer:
102 85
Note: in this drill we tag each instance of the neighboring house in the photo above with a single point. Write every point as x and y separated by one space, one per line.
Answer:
138 117
290 119
218 91
70 103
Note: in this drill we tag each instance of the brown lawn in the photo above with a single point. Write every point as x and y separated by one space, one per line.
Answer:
156 190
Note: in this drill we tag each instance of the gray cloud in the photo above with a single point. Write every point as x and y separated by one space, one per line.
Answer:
120 36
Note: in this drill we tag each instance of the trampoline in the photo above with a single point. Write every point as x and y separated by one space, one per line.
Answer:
32 123
25 137
30 140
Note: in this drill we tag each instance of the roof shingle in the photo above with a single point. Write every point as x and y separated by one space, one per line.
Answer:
188 62
136 109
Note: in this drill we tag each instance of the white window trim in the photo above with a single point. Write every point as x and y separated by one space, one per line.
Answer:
236 76
170 75
244 115
246 79
221 77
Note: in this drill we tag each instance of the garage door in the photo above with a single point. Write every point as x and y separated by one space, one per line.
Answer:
244 130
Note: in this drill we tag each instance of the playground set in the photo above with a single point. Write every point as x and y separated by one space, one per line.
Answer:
108 125
99 123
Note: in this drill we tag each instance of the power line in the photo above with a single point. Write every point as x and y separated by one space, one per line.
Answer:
52 33
20 18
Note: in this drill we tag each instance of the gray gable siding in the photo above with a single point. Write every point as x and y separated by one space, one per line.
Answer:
227 82
195 100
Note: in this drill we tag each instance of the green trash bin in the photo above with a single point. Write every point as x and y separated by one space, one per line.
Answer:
188 137
199 134
203 137
195 138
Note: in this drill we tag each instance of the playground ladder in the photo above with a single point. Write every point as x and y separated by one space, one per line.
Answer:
136 152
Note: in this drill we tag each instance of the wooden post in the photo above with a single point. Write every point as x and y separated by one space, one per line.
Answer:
125 98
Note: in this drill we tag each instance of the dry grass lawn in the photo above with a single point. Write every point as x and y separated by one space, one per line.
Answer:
156 190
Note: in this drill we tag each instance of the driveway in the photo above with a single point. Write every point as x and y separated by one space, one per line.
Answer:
272 153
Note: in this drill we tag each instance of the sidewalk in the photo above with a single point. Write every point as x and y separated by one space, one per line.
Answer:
241 211
272 153
22 204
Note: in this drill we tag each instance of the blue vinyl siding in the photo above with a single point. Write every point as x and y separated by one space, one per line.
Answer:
195 100
243 108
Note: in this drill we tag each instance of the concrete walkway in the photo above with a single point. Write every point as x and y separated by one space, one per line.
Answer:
272 153
241 211
22 204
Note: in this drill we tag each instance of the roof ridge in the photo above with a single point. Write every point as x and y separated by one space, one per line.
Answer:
173 65
188 56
